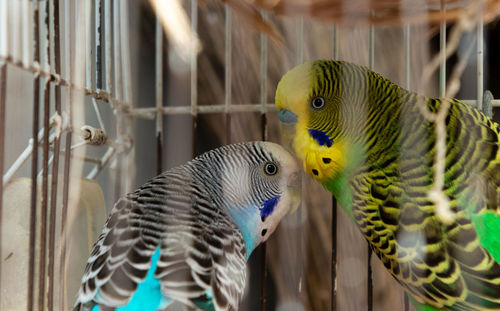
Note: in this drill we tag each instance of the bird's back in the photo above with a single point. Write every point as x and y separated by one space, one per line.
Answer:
443 265
162 244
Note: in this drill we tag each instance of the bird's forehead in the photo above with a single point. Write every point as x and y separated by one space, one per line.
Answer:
279 154
295 87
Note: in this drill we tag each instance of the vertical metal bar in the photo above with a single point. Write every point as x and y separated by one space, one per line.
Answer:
407 61
407 54
98 44
116 50
227 74
371 47
118 94
335 47
45 194
3 96
194 73
194 58
64 216
263 72
88 44
299 264
371 63
50 36
16 42
33 209
442 53
67 39
125 52
67 155
3 28
333 302
107 46
44 57
25 36
55 163
19 28
159 95
120 183
127 170
263 101
300 39
480 60
34 164
128 123
370 280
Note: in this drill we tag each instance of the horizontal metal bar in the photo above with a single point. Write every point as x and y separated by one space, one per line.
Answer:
150 112
473 102
57 79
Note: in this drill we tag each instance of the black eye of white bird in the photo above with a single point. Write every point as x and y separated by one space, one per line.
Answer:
318 102
270 168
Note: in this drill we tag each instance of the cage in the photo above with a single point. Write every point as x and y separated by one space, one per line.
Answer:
98 96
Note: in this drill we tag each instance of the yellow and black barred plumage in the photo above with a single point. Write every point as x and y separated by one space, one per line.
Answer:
365 140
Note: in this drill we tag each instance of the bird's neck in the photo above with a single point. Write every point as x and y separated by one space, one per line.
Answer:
247 220
387 115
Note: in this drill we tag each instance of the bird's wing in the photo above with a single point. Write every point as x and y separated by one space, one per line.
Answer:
202 263
457 264
120 258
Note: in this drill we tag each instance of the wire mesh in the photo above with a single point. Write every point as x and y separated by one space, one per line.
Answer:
68 88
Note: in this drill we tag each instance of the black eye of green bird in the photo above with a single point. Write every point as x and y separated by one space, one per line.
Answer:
318 102
270 169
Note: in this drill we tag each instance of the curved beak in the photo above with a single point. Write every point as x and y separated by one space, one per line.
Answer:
287 117
288 121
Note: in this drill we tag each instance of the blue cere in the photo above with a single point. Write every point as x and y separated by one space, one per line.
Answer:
321 137
269 207
286 116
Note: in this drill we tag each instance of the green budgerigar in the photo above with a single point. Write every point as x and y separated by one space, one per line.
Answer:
365 139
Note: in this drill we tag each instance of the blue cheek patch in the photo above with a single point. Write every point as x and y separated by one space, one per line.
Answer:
320 137
269 206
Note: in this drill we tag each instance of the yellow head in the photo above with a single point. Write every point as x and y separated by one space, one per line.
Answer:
314 120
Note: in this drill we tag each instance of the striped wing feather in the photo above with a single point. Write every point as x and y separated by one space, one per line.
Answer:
445 266
451 267
194 263
202 252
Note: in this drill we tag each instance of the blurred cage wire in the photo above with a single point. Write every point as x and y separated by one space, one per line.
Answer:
98 96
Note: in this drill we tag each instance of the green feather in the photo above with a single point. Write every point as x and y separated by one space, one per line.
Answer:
420 306
384 184
487 226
